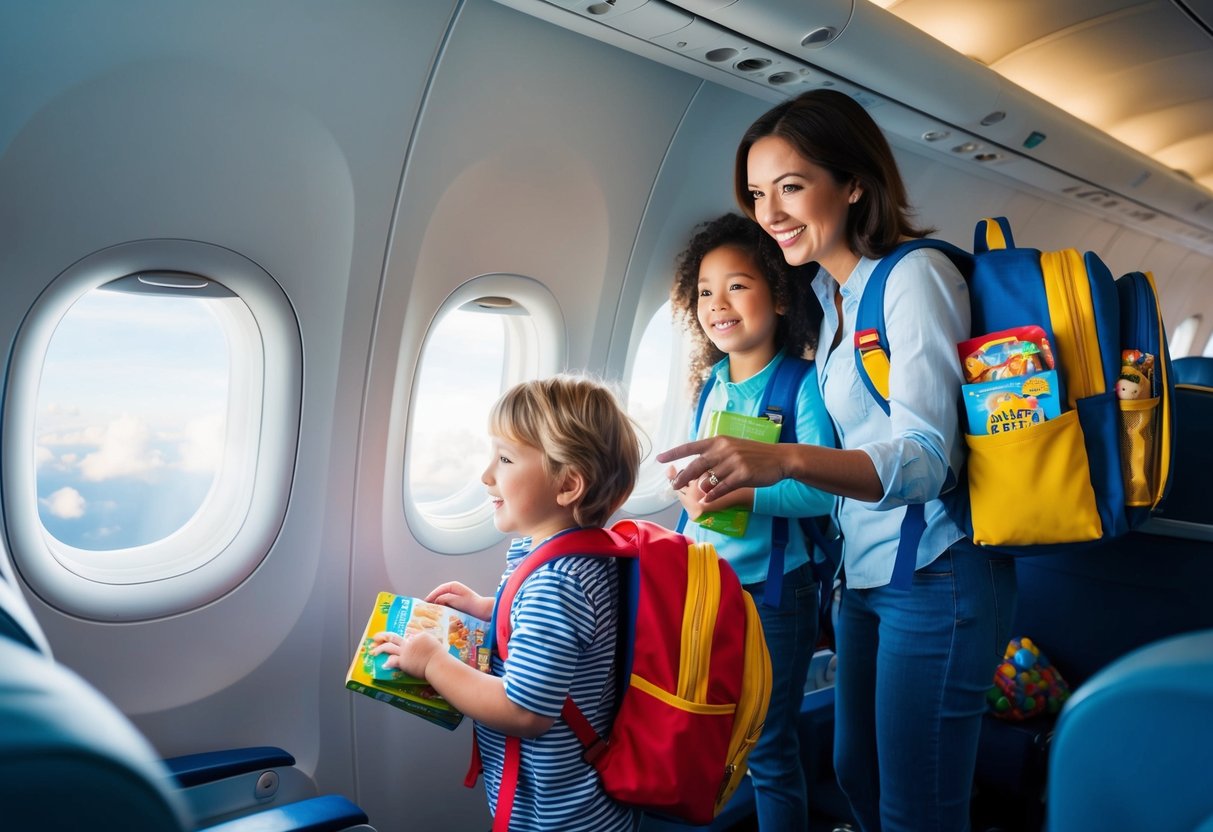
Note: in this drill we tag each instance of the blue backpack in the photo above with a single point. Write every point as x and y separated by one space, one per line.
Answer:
1094 471
778 404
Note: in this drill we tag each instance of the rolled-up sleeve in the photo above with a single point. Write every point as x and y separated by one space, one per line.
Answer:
926 315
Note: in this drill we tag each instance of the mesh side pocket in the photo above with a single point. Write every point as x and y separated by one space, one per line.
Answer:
1137 440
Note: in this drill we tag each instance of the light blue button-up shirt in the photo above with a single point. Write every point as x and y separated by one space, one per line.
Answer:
749 555
916 446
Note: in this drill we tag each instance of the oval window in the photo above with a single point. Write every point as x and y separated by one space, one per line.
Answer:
152 418
490 334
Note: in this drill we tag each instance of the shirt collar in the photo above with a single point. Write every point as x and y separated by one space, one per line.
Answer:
755 384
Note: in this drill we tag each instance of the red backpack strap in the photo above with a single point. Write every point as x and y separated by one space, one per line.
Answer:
509 784
598 542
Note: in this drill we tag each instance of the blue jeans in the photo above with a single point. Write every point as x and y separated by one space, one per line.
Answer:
791 636
913 671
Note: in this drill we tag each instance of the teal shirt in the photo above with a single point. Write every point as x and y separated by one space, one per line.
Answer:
749 554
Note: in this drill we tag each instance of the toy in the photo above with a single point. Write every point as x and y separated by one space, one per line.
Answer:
1026 684
1136 370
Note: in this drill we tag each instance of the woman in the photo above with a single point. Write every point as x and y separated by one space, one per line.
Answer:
913 666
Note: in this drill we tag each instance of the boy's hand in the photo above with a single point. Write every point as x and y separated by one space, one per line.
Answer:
458 596
411 654
689 495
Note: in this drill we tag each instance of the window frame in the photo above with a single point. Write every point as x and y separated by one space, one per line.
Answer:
1184 335
226 539
469 528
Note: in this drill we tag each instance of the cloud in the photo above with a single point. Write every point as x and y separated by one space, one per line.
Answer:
67 503
124 451
42 455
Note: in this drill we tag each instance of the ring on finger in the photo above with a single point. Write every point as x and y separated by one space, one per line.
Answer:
712 479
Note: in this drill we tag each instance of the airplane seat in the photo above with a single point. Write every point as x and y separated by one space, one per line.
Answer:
68 757
1133 747
1086 608
17 621
1194 369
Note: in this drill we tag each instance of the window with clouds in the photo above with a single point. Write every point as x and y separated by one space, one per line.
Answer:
492 332
131 417
151 422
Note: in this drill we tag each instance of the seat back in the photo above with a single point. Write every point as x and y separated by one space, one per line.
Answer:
1134 746
1194 369
17 622
69 759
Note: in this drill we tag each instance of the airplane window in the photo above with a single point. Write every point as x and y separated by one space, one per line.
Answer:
1207 352
461 376
1183 336
657 400
132 415
492 333
138 479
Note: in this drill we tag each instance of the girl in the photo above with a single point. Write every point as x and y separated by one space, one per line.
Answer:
819 177
746 317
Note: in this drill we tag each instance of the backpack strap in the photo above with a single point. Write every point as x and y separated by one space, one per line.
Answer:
778 404
872 363
704 391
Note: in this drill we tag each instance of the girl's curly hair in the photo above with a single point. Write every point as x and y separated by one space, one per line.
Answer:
796 330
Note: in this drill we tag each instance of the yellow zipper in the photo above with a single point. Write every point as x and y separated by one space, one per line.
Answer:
751 704
1072 314
698 622
1162 448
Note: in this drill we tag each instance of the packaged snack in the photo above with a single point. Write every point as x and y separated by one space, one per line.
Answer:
1008 353
1011 403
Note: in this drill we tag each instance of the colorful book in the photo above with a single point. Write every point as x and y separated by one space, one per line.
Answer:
1008 404
734 520
466 638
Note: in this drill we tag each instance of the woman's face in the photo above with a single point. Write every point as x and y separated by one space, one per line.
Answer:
800 204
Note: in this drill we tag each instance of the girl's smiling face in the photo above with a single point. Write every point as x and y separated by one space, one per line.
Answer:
735 306
802 206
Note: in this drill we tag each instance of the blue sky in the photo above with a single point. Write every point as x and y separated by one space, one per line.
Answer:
130 417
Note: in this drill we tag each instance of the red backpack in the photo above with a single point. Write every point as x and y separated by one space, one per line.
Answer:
696 674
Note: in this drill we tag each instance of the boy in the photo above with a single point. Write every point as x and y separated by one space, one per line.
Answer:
565 456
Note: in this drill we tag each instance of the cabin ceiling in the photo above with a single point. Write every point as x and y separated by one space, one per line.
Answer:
1140 71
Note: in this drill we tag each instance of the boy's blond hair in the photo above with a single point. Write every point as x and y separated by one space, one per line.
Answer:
578 424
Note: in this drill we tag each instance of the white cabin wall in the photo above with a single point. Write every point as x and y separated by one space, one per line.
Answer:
278 130
535 155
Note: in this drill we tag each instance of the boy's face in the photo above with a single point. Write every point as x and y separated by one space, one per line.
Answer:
523 495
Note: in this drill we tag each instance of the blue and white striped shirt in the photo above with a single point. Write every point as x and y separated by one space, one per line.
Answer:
563 625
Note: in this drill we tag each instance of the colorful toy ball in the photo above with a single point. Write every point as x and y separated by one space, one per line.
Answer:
1026 684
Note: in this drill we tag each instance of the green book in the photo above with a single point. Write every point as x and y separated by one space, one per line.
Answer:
733 521
466 638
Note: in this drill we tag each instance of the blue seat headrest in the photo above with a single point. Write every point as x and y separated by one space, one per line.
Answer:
1131 749
69 759
1194 369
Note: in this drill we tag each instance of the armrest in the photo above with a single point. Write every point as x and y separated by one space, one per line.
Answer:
328 813
209 766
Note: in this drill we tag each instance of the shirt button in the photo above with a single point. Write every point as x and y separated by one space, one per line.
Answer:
728 405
